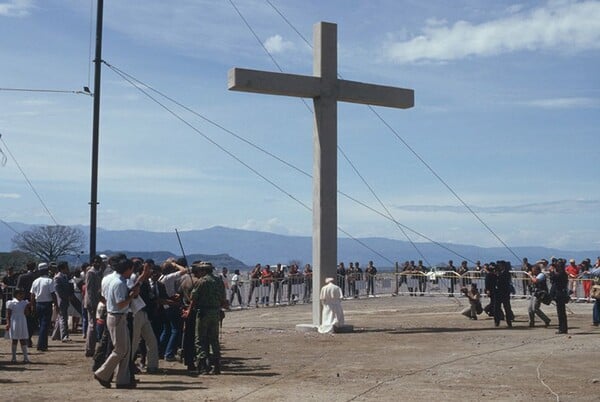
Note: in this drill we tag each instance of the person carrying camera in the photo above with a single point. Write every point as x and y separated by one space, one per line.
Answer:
539 295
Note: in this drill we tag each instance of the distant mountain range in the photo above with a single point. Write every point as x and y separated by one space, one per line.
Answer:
237 248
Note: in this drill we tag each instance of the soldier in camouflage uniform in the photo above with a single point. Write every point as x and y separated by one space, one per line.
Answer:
186 287
208 297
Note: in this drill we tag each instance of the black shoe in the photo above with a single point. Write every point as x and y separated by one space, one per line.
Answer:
560 332
105 384
546 323
214 366
126 386
202 367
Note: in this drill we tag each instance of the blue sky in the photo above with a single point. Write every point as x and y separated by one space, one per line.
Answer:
507 112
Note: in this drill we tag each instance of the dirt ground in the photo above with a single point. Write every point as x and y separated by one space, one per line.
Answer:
403 348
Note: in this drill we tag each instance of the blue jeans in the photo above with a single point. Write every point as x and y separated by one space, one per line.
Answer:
44 313
596 312
170 336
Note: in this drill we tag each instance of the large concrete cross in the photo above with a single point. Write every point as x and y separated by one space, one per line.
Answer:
325 89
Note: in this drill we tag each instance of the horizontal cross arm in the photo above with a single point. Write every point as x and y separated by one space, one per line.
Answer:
240 79
378 95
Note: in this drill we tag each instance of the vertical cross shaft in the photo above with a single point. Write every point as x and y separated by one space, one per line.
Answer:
324 243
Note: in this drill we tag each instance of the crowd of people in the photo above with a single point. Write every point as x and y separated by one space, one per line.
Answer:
563 278
135 312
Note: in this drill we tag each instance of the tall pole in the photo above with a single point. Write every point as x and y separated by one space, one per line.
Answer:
96 128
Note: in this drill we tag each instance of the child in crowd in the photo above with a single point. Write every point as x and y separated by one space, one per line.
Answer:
16 324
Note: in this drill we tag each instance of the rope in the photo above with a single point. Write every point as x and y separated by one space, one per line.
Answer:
39 197
539 376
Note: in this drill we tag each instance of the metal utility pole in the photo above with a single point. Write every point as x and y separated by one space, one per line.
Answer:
96 128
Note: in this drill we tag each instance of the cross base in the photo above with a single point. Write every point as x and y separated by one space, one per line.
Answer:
342 329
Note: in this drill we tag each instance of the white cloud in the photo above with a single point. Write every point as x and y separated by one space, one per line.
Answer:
36 102
276 44
272 225
16 8
10 195
564 103
552 207
567 25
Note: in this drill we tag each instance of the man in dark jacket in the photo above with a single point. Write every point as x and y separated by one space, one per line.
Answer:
64 291
502 293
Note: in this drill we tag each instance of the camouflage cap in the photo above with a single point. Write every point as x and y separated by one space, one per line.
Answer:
203 266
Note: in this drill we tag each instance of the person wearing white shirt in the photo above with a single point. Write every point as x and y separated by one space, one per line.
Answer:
42 296
118 299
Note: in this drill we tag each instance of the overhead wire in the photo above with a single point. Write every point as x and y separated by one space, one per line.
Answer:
60 91
137 83
231 154
39 197
90 42
10 227
411 149
338 146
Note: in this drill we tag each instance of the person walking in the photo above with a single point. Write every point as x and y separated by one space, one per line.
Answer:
64 291
236 282
560 294
502 294
42 297
539 293
207 299
118 298
93 279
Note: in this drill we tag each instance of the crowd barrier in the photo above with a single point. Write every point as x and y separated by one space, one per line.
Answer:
290 291
439 283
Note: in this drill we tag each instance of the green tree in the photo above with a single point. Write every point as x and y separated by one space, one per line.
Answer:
48 243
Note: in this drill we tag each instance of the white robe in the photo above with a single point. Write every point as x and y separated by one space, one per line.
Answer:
333 315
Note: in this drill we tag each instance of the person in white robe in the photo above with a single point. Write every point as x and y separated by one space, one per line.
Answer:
333 315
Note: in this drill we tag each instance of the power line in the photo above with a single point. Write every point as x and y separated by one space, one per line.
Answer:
10 227
410 148
90 42
178 117
39 197
58 91
138 84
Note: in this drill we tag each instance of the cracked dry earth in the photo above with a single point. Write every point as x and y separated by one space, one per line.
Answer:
403 348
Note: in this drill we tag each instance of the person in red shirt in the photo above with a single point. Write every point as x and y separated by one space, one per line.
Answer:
266 278
573 271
